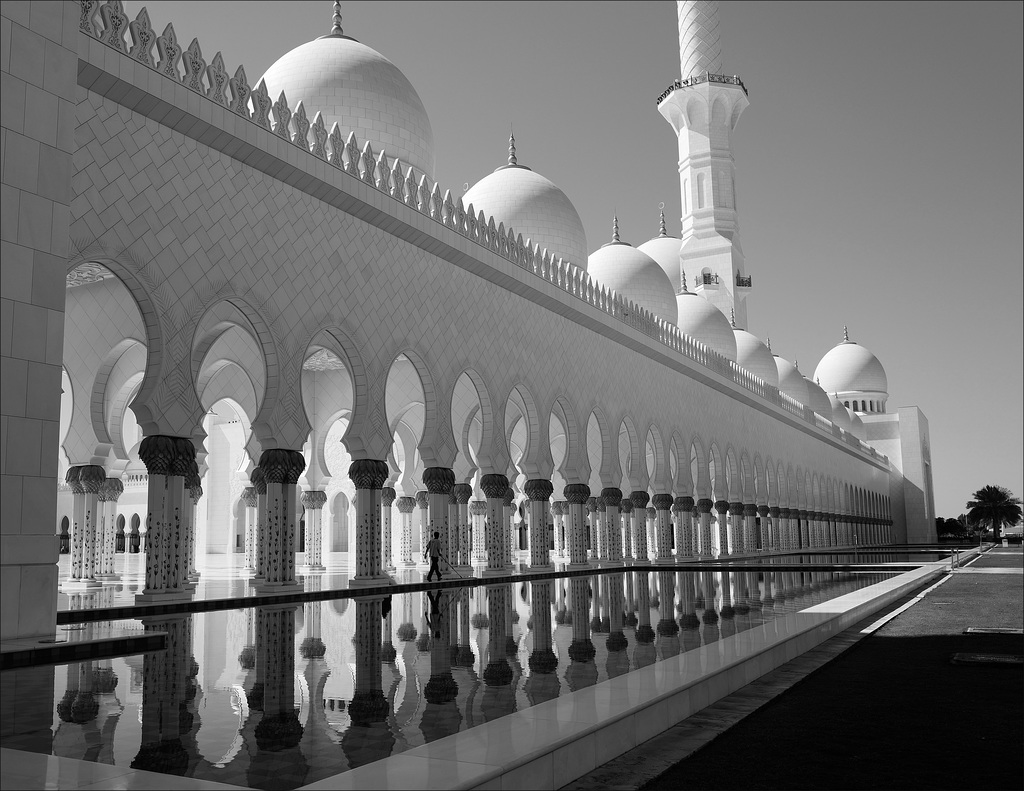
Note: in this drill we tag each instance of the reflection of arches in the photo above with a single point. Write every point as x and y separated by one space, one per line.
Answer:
339 523
65 536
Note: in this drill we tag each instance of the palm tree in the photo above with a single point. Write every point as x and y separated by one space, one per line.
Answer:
996 506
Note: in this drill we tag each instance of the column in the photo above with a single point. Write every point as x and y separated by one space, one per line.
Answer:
722 515
662 527
463 493
640 499
512 543
454 530
387 499
439 482
85 482
109 493
282 469
650 528
539 491
167 461
313 502
423 502
593 523
611 498
249 501
558 515
195 491
406 505
576 497
496 539
805 529
369 476
627 521
259 483
766 539
750 527
686 546
705 546
477 512
736 532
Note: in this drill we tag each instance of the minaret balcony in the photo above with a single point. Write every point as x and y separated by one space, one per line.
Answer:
697 79
744 281
707 280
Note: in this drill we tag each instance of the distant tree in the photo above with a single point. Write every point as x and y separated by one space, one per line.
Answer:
951 528
996 506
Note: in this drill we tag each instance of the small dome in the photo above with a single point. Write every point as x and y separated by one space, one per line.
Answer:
665 250
753 355
791 381
819 400
857 426
841 416
850 368
356 87
533 207
635 276
699 319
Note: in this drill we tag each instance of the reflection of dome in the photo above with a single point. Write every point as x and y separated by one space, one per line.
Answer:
699 319
791 381
360 90
635 276
818 400
665 250
533 207
850 368
753 355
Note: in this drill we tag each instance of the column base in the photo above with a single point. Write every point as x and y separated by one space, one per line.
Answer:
315 568
257 579
247 571
501 572
109 577
81 585
668 561
542 566
370 582
270 588
577 566
159 597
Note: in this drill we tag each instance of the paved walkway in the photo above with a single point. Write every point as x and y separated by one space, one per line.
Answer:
894 712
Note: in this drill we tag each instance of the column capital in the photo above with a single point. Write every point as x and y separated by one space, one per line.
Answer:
704 505
165 455
736 508
494 485
640 499
576 493
684 503
652 512
368 473
463 493
258 479
509 496
313 500
611 497
195 492
478 507
111 490
539 490
249 496
782 513
71 478
387 496
763 511
438 480
749 509
626 506
722 506
802 513
662 502
91 477
422 499
406 505
192 476
592 505
285 466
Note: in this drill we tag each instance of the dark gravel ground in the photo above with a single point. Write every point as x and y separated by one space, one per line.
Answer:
892 711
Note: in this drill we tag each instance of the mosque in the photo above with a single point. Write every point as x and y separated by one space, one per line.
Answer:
206 353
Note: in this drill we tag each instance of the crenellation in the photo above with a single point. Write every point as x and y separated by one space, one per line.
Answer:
282 117
115 23
319 149
337 147
423 195
217 79
143 38
194 64
88 23
170 53
367 165
240 93
352 155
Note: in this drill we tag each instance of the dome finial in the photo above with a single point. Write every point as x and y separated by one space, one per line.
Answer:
663 231
796 363
846 334
615 228
511 147
732 317
682 279
336 28
768 343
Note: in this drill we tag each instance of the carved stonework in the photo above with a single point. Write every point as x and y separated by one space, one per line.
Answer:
406 505
240 92
494 485
319 136
249 497
282 117
640 499
170 53
261 104
164 455
313 500
259 481
463 493
611 497
217 77
662 502
576 493
539 490
438 480
626 506
143 38
387 496
195 66
300 123
368 473
86 273
115 22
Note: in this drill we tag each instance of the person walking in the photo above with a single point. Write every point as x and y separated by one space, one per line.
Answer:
433 549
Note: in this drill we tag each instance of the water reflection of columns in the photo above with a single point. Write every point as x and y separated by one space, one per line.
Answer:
167 685
618 660
645 653
441 716
499 695
368 737
543 683
582 672
315 672
667 641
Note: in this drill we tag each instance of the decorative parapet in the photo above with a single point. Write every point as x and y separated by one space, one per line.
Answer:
108 23
697 79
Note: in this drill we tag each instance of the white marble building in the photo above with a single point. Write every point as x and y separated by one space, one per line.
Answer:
203 340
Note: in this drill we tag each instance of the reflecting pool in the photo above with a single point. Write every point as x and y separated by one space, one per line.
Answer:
275 697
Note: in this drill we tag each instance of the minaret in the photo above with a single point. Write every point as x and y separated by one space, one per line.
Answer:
703 107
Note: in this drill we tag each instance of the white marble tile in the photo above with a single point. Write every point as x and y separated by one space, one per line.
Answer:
409 771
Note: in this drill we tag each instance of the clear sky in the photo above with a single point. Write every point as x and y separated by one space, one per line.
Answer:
879 165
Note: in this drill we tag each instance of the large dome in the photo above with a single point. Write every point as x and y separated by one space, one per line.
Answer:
753 355
791 381
533 207
699 319
850 368
665 250
635 276
356 87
